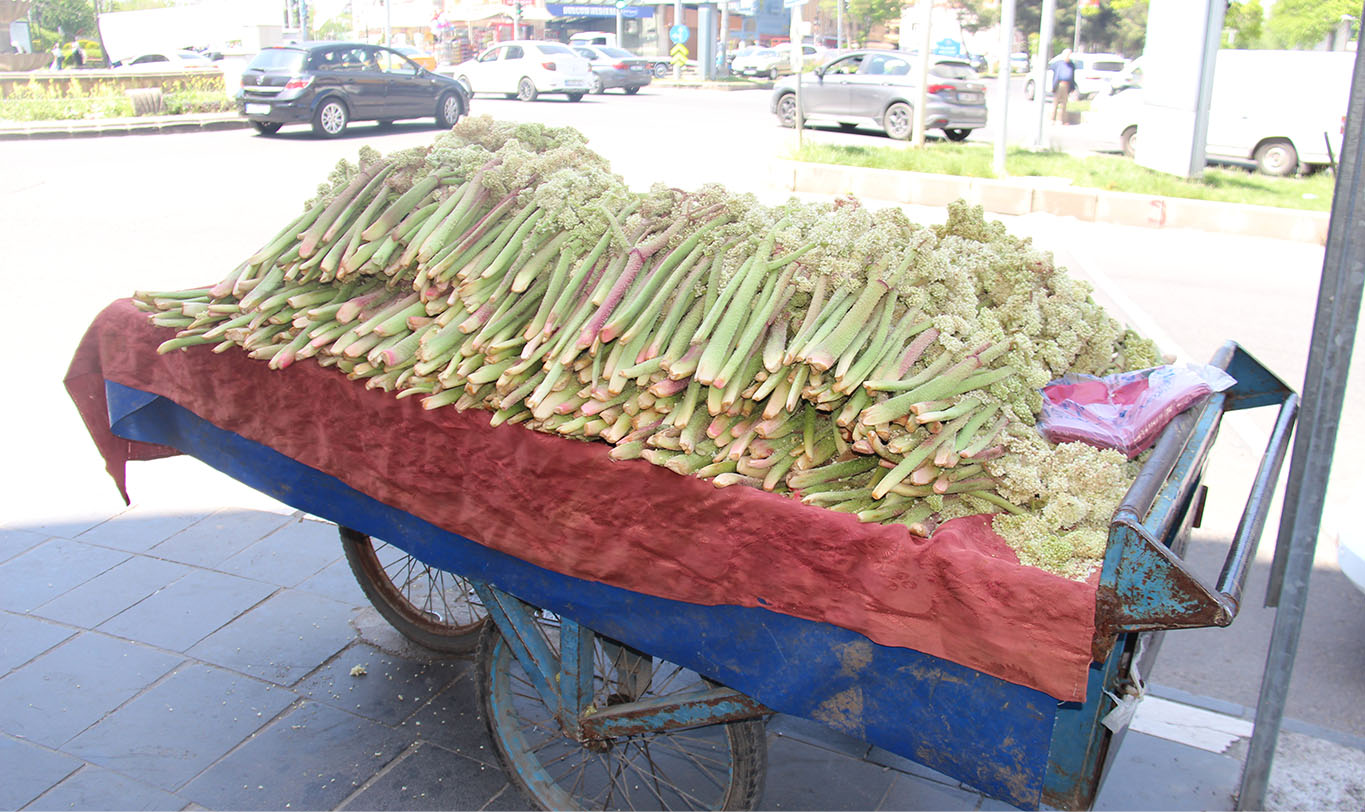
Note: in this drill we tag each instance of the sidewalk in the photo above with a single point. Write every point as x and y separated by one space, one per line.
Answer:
193 659
132 125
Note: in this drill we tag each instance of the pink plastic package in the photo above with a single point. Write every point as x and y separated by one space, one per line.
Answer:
1125 411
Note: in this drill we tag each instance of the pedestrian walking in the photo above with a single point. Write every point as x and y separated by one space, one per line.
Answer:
1063 82
57 56
77 55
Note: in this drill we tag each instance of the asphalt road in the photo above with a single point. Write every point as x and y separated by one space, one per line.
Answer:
85 221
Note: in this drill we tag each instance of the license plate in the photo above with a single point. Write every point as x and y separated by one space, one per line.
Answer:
258 109
637 67
969 97
573 83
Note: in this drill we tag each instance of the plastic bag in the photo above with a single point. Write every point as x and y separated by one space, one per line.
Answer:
1125 411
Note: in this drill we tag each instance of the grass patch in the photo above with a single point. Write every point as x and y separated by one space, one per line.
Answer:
58 101
1109 172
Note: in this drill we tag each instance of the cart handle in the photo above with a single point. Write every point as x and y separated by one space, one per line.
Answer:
1146 584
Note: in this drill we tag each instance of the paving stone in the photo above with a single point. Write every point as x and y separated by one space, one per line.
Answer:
392 688
139 529
282 639
13 542
173 730
431 777
27 770
95 788
1152 773
311 758
188 610
289 555
112 591
510 799
802 776
23 637
336 581
73 686
914 793
220 536
42 573
453 721
68 527
817 734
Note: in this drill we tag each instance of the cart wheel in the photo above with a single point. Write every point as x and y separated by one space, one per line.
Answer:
719 766
430 607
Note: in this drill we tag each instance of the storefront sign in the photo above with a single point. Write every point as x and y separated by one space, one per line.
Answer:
628 12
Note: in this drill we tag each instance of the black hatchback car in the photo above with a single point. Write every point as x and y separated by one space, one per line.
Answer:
330 84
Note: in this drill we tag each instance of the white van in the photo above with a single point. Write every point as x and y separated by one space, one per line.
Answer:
600 38
1277 109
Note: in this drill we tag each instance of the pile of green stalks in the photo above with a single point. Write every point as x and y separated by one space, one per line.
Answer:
850 358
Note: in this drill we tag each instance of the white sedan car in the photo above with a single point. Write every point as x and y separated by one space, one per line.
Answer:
168 61
523 69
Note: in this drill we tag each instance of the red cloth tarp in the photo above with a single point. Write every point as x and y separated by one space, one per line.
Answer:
565 506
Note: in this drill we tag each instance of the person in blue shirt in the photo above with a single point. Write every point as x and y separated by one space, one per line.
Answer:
1063 82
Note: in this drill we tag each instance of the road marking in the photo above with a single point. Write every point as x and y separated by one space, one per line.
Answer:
1188 725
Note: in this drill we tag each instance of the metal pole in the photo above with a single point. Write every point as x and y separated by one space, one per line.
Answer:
839 24
796 68
1002 86
722 66
926 14
1040 88
677 20
1324 388
1076 35
388 23
620 30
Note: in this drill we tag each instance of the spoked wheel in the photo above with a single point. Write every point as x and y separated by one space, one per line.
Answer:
430 607
718 766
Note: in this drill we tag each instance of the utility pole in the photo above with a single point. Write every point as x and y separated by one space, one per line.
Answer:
1040 88
722 65
388 22
926 14
1002 85
839 24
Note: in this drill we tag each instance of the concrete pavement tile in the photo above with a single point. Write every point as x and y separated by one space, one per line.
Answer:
96 788
27 770
46 571
67 527
215 539
112 591
23 637
886 758
282 639
1153 773
288 556
915 793
13 542
336 581
453 721
75 685
173 730
311 758
510 799
430 777
802 776
188 610
392 688
139 529
817 734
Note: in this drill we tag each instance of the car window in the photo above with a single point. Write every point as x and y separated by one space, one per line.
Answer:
392 62
513 52
1106 65
279 59
618 53
952 70
879 64
846 66
490 55
586 53
149 58
895 66
551 48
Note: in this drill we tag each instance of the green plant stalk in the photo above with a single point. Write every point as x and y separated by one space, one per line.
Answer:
831 472
537 263
839 304
757 322
514 245
917 457
969 431
443 215
982 380
965 406
359 203
717 306
309 239
807 325
874 330
935 389
888 348
405 203
985 439
929 373
798 384
644 309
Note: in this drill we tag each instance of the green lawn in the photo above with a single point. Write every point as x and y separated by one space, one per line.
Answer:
1112 172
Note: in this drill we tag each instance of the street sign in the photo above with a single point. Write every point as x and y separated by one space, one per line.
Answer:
793 3
679 55
679 34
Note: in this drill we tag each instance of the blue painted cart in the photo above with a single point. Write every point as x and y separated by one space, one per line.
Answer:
602 697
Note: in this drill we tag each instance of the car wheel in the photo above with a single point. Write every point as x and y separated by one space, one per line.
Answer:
331 118
468 88
660 70
1028 90
266 127
772 73
1277 157
526 89
575 97
786 110
899 121
447 111
956 133
597 86
1128 141
631 91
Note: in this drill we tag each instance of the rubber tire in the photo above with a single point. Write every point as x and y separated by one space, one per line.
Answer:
448 109
786 110
631 91
1277 158
597 87
330 119
526 90
899 121
575 97
266 127
468 88
848 126
402 615
956 133
1128 141
660 70
1028 89
748 746
772 74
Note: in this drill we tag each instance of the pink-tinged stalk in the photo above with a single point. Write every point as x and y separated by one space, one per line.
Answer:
718 426
862 446
478 317
668 387
915 350
355 307
683 368
988 454
593 328
473 235
642 432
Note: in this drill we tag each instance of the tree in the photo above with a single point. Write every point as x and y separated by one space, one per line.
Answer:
976 15
864 15
58 21
1117 25
1305 23
1243 24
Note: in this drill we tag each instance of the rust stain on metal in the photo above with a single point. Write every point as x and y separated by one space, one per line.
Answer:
854 657
843 712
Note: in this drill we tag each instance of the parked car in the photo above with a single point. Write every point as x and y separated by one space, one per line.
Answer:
524 69
419 56
773 62
880 88
331 84
167 61
1095 74
615 67
1020 62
